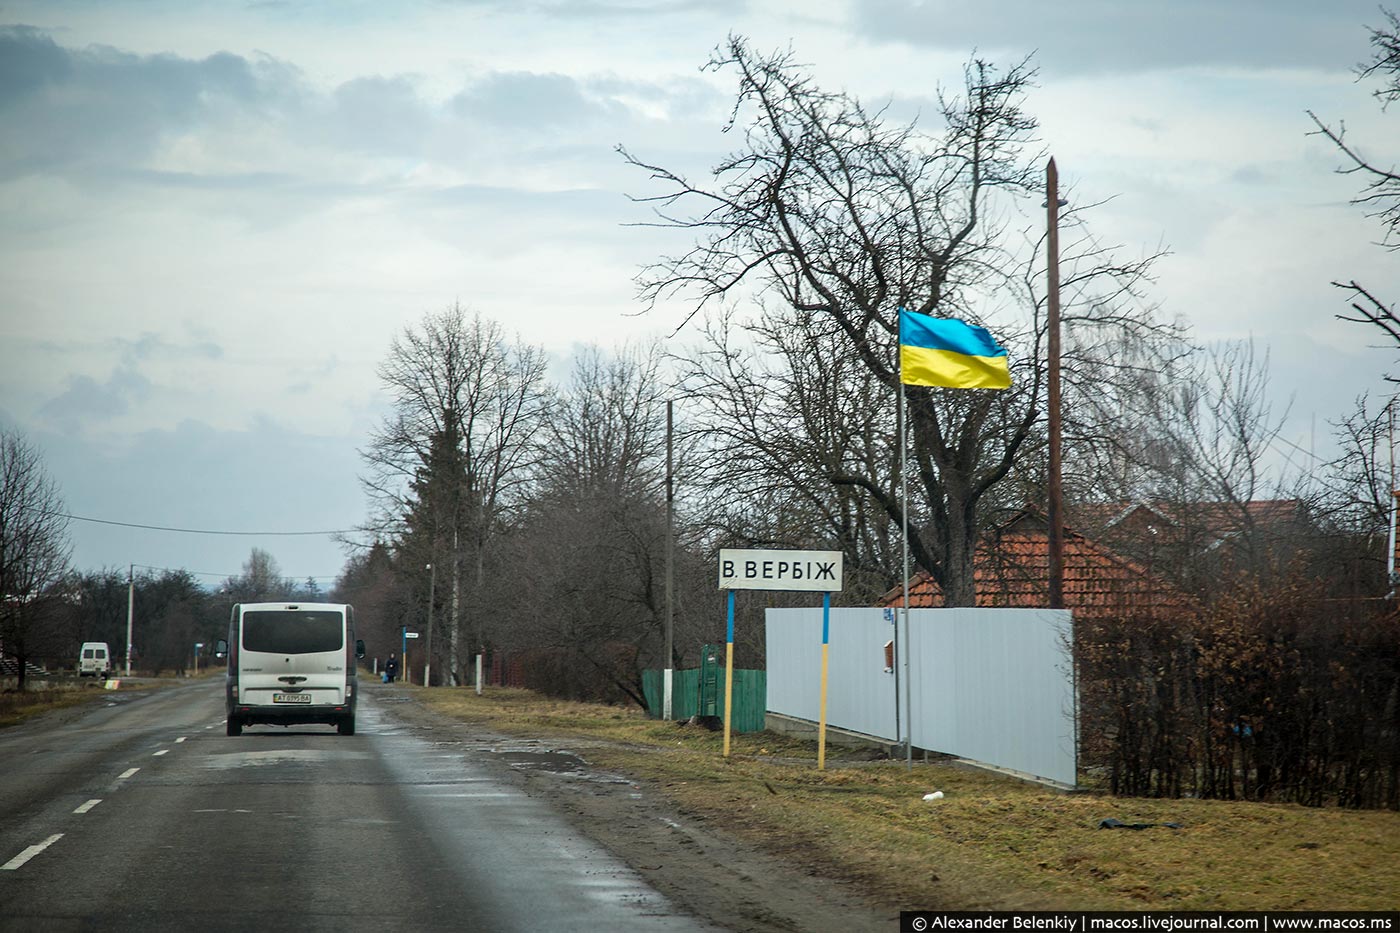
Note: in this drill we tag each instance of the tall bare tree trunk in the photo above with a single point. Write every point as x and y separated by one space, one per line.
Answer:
480 644
454 663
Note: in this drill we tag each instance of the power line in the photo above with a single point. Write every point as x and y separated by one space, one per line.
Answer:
208 573
1307 453
207 531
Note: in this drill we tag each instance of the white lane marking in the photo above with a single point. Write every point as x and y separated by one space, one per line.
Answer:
127 773
223 811
163 751
179 740
29 853
87 806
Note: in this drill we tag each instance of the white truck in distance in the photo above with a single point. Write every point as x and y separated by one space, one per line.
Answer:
94 660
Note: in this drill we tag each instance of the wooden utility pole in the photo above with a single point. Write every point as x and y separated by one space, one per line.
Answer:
432 594
1052 387
668 674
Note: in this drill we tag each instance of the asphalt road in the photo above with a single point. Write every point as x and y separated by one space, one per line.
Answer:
142 814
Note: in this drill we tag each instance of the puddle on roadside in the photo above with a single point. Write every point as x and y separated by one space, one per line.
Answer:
551 761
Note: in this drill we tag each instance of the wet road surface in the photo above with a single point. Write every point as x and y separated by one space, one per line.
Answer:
142 814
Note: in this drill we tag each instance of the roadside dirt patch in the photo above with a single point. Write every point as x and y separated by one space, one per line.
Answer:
696 864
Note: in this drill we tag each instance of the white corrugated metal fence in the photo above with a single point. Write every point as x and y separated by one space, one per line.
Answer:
992 685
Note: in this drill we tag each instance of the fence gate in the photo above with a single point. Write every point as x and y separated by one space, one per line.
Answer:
710 680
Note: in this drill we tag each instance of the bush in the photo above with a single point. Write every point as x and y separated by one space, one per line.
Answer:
1268 695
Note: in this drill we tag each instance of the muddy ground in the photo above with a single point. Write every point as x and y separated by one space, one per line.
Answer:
696 864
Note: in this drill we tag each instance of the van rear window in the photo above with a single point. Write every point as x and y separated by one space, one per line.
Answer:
286 632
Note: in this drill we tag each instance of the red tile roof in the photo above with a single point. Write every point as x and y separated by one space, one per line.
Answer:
1217 521
1012 571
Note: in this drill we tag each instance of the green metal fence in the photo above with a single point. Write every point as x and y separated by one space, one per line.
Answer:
750 696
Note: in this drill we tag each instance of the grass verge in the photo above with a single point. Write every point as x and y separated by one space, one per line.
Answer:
991 842
17 706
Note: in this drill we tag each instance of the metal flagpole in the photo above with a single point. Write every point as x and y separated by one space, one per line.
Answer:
904 508
904 527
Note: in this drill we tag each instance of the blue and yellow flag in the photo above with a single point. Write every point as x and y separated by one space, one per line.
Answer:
942 351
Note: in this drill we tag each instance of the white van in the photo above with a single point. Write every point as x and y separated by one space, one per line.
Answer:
291 663
94 660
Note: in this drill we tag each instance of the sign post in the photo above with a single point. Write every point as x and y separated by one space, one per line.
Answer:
729 674
826 642
801 571
407 671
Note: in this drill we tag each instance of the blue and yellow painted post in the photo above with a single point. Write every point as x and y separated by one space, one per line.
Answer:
826 644
729 675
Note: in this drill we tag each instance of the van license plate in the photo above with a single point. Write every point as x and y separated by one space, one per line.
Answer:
291 698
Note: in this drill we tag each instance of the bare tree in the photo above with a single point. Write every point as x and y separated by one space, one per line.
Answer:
1200 443
1357 502
454 377
261 580
1380 192
794 432
379 594
1225 423
33 547
592 542
606 436
840 218
1359 479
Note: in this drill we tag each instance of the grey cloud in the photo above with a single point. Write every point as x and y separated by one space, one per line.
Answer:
29 60
1252 175
86 401
680 98
610 9
100 114
100 105
620 9
528 100
100 118
379 114
166 476
1110 36
150 346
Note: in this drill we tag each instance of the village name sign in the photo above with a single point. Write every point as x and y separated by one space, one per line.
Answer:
810 571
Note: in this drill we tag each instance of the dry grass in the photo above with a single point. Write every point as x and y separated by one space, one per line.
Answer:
16 706
991 842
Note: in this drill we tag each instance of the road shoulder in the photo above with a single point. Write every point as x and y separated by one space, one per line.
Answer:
696 864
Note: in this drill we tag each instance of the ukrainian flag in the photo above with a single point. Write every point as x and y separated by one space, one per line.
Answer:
941 351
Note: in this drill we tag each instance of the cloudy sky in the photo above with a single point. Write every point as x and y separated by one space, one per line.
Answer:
214 216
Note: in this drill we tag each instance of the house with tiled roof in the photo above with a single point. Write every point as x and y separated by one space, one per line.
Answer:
1212 525
1012 571
1195 543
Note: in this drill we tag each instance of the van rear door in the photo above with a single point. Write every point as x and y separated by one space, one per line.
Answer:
292 657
